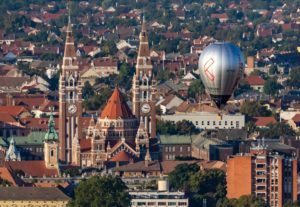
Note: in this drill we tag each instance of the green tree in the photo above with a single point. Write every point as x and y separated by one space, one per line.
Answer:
273 70
4 183
253 108
290 204
271 86
294 78
165 127
185 127
210 183
97 101
196 88
101 192
277 130
125 76
243 201
179 177
87 90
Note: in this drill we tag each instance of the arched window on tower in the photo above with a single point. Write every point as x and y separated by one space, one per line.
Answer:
145 95
71 81
145 81
52 153
71 95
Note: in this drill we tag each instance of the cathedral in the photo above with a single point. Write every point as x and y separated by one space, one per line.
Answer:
118 135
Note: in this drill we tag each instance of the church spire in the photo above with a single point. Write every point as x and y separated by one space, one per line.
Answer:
69 47
144 45
51 134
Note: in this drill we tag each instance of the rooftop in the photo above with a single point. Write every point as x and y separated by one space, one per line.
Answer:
176 139
32 193
116 107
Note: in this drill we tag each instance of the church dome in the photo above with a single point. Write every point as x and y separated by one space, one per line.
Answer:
116 107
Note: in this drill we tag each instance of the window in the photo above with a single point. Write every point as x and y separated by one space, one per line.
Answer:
214 123
189 149
171 203
182 204
166 149
231 123
225 123
220 123
173 149
52 153
196 122
202 123
207 123
180 149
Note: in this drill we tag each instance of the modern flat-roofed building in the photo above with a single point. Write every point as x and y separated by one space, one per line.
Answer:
207 120
263 173
160 198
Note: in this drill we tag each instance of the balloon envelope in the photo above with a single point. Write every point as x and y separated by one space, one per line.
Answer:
221 66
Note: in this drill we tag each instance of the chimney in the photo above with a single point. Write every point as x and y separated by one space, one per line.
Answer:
250 62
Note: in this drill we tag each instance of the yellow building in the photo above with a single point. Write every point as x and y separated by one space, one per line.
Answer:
32 196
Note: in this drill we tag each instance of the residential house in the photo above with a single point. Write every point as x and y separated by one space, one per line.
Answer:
168 103
221 17
256 82
175 146
263 122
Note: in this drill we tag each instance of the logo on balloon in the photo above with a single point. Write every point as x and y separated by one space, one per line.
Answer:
207 69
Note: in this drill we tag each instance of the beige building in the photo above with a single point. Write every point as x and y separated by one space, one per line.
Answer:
33 197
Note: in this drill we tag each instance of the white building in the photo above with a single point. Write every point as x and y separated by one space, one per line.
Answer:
160 198
207 120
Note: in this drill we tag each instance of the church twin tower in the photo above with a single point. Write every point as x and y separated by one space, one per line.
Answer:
70 96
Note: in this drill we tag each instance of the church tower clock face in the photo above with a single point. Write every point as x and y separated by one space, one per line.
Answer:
146 108
72 109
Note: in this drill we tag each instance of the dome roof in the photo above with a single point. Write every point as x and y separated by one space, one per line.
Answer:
116 107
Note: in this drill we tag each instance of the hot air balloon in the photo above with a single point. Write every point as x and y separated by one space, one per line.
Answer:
221 66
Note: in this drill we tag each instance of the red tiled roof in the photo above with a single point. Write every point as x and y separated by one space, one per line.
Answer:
116 107
85 144
219 16
255 80
8 175
13 110
38 123
7 118
34 168
264 121
105 62
121 157
296 118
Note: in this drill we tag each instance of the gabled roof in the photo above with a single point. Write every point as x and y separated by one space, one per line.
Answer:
122 156
7 118
255 80
7 174
32 193
296 118
264 121
34 168
116 107
13 110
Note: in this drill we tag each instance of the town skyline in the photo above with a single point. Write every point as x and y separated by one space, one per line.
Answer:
149 103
